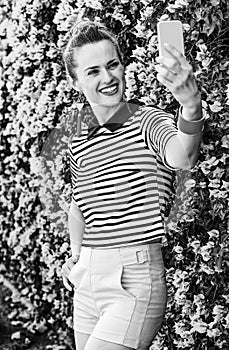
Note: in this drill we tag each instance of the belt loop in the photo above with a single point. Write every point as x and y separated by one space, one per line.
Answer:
142 256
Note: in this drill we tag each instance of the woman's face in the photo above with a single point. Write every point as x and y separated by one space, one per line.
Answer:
100 74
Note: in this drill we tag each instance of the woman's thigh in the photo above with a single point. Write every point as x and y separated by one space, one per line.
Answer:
99 344
81 340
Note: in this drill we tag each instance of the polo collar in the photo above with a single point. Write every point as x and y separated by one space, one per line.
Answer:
116 120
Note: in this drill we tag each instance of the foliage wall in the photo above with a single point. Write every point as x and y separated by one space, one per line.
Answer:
36 105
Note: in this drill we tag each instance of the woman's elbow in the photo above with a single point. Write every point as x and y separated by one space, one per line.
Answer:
180 158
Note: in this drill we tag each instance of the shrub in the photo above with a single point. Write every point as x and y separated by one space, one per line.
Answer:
38 116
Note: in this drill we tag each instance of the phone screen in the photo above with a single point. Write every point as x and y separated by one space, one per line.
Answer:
170 32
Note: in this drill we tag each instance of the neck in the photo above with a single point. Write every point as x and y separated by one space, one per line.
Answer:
104 113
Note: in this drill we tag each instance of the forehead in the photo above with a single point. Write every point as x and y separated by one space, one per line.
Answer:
95 54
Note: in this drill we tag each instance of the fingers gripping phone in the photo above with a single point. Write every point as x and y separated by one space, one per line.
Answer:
170 32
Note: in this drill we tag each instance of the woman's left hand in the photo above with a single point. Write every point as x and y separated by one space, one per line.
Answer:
66 268
177 75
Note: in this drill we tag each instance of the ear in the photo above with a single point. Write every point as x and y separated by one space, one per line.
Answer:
73 83
76 85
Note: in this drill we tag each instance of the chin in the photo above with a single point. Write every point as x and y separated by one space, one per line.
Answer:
108 101
112 100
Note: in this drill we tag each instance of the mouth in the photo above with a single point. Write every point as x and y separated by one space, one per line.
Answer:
110 90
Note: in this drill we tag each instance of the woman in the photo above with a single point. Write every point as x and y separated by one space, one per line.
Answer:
121 166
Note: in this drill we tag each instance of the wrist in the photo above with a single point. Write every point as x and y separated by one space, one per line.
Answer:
75 258
193 126
75 248
192 111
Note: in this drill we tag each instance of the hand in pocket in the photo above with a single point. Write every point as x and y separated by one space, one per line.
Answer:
66 268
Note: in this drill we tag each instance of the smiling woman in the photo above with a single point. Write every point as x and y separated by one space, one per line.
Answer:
100 76
122 167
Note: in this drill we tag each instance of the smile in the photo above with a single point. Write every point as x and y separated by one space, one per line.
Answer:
110 90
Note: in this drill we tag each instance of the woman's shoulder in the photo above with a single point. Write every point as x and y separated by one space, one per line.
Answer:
150 112
148 107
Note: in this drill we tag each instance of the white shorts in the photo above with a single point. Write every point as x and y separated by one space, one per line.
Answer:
120 294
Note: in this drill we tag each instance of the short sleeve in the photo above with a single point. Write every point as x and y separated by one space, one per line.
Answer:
73 166
157 128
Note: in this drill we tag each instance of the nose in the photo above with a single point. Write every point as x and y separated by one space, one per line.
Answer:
106 75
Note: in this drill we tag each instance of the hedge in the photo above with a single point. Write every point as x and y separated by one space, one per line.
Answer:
38 115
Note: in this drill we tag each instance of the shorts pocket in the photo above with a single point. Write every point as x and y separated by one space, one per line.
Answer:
135 279
76 274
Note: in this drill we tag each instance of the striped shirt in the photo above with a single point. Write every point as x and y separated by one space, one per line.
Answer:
120 179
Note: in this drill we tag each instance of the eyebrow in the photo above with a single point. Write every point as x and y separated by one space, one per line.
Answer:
93 67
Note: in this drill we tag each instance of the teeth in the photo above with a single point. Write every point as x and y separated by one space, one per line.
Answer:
109 89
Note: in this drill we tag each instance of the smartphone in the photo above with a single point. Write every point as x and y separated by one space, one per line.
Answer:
170 32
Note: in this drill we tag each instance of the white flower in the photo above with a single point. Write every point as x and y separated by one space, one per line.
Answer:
164 17
227 93
64 247
171 8
181 3
225 141
206 165
216 107
186 309
218 311
213 332
179 277
179 327
210 245
205 255
140 30
215 2
142 76
178 249
216 193
186 27
139 52
172 226
214 183
203 48
45 248
179 257
195 246
202 184
205 268
226 297
16 335
206 61
127 22
226 319
199 326
199 299
145 2
190 184
180 297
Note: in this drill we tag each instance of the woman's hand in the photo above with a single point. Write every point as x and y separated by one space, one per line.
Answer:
177 75
66 268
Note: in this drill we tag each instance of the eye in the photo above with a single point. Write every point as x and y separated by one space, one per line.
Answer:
114 65
93 72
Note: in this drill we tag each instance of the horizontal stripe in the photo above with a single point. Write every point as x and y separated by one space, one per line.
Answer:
120 179
123 233
123 242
